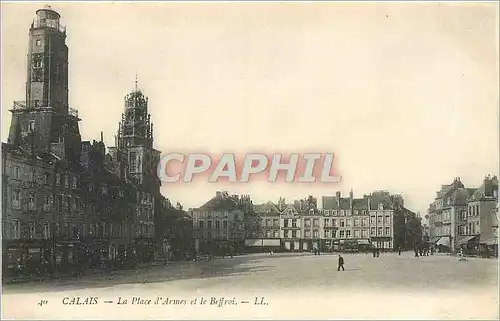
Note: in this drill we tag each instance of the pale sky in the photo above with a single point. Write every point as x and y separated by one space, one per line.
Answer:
406 95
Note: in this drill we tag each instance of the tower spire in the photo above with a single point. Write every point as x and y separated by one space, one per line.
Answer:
136 82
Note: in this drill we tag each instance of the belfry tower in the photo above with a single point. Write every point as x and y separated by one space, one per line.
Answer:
135 140
44 122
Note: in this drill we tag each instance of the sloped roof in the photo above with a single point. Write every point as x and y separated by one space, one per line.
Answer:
220 204
360 203
460 196
266 208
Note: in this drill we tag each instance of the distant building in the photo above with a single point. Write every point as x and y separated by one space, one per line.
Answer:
482 215
445 214
220 223
264 233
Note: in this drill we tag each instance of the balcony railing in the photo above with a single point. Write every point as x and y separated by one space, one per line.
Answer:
20 105
49 23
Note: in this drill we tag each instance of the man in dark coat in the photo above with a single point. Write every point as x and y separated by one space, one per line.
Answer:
341 263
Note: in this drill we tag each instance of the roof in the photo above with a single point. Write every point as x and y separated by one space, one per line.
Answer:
460 196
266 208
334 203
216 203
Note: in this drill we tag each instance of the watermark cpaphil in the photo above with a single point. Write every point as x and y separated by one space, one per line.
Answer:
230 167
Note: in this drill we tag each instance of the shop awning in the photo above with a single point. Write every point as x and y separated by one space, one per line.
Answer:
434 239
466 239
444 241
363 242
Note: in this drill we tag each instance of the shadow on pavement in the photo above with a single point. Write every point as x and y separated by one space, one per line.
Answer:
156 274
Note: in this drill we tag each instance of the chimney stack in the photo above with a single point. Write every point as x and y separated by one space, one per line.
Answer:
218 195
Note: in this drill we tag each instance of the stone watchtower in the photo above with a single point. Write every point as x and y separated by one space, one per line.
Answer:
44 122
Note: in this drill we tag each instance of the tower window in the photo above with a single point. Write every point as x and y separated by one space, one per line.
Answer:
31 125
39 42
37 61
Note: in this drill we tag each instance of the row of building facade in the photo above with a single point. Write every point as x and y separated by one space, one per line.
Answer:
378 220
66 201
463 218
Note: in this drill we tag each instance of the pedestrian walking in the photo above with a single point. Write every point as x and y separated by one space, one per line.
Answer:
399 250
341 263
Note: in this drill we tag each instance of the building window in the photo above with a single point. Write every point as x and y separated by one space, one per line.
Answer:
316 234
224 224
209 224
16 172
37 60
356 222
342 234
133 162
74 183
316 222
269 222
387 231
364 233
342 223
387 219
348 222
46 178
16 230
372 220
276 234
16 198
307 234
285 223
38 42
334 213
46 203
356 233
372 231
32 202
290 211
31 126
32 230
46 230
294 234
334 222
307 222
327 222
311 211
217 225
380 231
268 234
276 222
348 234
379 220
327 212
294 223
58 179
342 213
327 234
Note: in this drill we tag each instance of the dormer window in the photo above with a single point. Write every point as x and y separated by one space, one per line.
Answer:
380 206
290 211
311 211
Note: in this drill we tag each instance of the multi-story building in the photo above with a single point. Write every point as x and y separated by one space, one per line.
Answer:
482 219
220 223
66 200
461 216
447 213
367 221
290 227
264 234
